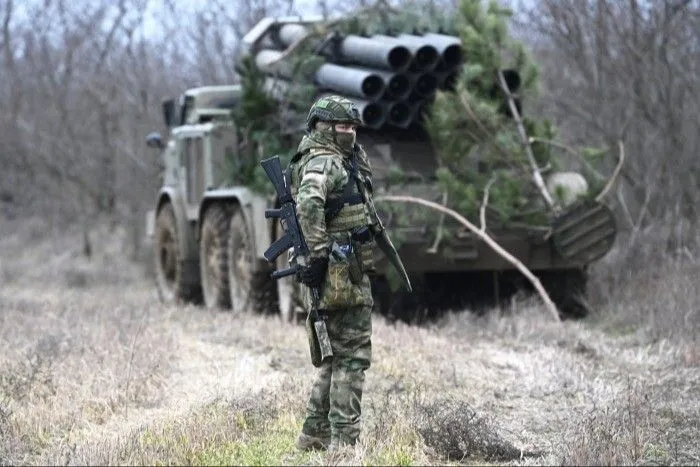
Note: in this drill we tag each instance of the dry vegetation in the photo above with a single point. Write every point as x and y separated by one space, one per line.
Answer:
93 370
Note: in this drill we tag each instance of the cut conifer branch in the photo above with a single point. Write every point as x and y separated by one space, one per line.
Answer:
551 307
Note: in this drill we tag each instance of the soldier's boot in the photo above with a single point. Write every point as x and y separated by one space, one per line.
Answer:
309 443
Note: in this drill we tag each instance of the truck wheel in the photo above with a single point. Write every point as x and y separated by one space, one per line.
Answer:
173 275
251 288
287 291
285 300
213 251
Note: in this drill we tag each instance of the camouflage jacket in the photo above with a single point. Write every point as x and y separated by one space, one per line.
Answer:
319 172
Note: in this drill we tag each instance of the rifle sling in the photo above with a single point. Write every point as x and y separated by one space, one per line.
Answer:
352 194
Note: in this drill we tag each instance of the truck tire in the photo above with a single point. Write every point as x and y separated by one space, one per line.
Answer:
288 302
213 252
285 299
175 278
251 288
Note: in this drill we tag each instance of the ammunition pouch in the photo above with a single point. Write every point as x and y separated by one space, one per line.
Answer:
343 278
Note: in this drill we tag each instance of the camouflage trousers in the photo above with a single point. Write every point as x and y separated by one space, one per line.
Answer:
334 406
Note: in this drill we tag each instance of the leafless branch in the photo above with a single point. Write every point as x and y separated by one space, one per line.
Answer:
485 202
614 175
536 175
551 307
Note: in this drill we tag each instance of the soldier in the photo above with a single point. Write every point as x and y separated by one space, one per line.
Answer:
331 184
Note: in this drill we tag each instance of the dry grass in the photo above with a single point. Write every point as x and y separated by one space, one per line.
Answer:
93 370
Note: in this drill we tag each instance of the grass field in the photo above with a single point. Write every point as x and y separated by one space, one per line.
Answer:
94 370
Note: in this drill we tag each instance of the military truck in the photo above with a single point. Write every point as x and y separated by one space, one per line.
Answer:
210 234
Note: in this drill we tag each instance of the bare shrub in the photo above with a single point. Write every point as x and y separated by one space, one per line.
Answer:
657 295
32 377
621 433
27 380
389 436
69 362
454 431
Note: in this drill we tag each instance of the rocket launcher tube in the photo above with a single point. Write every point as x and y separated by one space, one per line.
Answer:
268 61
424 84
446 80
397 85
425 56
398 114
373 114
374 53
289 33
449 48
350 81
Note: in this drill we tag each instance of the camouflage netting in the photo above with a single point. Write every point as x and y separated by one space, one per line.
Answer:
477 141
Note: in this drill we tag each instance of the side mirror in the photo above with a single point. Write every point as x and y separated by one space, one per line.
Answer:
153 140
169 112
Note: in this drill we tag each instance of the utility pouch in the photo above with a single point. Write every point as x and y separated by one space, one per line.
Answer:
350 254
364 248
342 288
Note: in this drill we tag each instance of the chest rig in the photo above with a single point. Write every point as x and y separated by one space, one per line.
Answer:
348 213
348 210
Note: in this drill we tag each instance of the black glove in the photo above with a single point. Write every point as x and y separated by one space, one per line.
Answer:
313 274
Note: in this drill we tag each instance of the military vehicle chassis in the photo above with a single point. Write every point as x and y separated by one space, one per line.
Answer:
209 236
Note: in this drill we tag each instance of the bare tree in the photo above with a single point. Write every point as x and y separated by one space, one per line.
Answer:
628 70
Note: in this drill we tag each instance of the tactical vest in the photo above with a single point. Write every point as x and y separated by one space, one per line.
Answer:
349 213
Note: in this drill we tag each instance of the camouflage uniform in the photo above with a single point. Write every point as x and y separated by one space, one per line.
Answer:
321 174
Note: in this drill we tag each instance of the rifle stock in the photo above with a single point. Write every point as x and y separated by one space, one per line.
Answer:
273 169
319 342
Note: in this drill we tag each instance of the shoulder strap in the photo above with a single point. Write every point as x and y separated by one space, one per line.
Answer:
351 196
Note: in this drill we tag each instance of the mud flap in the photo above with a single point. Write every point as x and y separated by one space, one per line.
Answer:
585 232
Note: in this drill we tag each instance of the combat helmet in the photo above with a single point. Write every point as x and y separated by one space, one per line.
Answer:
333 108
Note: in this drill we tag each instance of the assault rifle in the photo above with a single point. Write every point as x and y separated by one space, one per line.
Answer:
319 343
